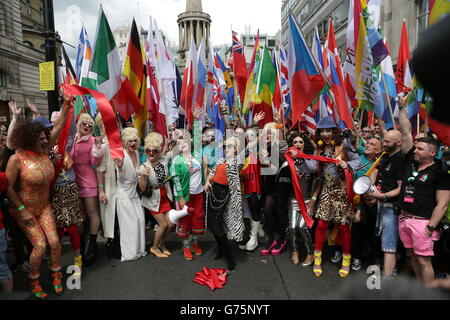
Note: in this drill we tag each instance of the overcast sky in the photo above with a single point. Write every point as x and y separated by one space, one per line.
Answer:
70 14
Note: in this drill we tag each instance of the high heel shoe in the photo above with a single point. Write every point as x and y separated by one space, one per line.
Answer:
311 260
157 254
295 257
36 289
317 263
278 249
267 250
345 269
165 251
57 283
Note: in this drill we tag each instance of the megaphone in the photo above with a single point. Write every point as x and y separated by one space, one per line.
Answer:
176 215
363 185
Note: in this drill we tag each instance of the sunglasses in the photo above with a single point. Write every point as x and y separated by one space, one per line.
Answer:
414 175
367 131
228 146
152 150
299 141
87 124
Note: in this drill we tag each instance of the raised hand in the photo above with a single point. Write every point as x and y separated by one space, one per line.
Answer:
14 108
259 116
32 107
196 112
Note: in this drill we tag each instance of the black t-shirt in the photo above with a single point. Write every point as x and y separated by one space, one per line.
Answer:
424 184
390 170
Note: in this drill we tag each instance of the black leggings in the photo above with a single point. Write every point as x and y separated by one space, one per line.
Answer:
254 203
276 212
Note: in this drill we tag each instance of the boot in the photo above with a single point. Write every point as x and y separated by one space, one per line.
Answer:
57 282
229 257
219 254
253 242
295 255
116 248
91 255
345 269
109 245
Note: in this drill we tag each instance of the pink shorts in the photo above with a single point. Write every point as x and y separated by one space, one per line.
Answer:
87 192
412 233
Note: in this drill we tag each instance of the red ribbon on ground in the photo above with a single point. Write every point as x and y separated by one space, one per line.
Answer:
108 117
211 278
296 182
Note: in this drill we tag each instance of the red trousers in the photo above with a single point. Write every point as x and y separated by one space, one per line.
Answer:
193 223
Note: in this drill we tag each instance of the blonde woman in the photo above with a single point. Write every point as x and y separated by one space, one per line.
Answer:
129 210
154 173
86 155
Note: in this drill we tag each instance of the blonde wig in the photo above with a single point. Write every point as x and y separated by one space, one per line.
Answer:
84 117
234 141
154 140
130 133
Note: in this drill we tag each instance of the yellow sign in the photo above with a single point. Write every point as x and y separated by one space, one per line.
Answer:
47 76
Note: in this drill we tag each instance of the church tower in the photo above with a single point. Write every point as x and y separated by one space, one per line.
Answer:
192 22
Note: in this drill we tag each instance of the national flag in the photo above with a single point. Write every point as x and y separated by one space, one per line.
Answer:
202 74
305 79
217 117
336 78
265 88
387 90
367 89
223 71
210 78
189 81
379 50
403 75
308 122
277 99
239 67
284 74
251 77
350 52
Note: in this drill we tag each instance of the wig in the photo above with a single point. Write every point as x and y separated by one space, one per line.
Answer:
130 134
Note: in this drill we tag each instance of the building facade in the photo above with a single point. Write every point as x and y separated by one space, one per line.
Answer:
312 13
194 22
22 48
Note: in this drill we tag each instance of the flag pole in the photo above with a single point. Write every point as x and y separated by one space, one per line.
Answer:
418 123
388 99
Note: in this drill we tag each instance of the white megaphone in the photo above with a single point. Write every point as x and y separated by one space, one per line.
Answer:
363 185
175 215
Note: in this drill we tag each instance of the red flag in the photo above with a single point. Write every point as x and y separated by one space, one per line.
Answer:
153 99
239 67
188 87
403 79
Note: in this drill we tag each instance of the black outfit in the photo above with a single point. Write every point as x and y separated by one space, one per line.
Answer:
217 203
390 170
418 194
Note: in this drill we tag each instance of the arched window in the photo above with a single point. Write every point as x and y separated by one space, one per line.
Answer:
2 79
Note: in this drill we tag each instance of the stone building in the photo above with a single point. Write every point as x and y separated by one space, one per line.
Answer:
22 48
311 13
192 22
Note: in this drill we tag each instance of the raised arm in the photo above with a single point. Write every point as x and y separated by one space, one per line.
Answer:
15 110
59 124
33 109
405 125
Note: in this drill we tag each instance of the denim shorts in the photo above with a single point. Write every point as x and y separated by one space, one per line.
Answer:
389 229
5 272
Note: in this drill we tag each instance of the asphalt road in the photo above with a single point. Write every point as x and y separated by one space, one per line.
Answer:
149 278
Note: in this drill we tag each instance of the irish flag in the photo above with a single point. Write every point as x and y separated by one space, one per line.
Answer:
106 66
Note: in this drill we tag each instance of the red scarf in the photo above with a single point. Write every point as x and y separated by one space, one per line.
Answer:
296 182
108 117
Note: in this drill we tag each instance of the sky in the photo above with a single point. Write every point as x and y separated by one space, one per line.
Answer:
236 14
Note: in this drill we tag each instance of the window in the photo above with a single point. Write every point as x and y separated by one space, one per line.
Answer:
422 17
340 14
2 79
28 44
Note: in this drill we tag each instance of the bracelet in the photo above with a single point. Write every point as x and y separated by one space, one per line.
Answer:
224 112
314 198
21 208
101 186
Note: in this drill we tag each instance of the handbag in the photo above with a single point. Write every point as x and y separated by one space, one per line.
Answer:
147 193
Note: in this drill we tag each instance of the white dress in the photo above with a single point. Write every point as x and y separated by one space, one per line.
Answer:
130 212
108 210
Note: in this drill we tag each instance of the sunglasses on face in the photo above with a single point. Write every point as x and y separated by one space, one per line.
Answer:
299 141
228 146
152 150
87 124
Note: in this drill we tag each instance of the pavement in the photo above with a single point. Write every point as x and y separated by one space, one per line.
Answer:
256 277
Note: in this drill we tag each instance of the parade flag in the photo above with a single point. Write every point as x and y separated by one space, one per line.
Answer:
157 118
336 78
305 80
239 66
202 74
379 50
349 64
367 75
249 87
210 78
265 88
106 67
308 122
284 81
388 91
84 56
438 10
403 77
223 73
217 116
189 81
277 99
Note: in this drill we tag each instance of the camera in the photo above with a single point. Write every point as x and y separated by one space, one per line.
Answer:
346 133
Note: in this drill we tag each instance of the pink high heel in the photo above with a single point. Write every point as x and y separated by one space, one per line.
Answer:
276 252
266 252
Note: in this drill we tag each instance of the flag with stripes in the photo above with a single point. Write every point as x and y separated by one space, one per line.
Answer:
307 121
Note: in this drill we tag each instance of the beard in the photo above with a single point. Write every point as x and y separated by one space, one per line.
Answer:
390 149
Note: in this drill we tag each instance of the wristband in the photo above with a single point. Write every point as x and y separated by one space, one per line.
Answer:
314 198
101 186
21 208
224 112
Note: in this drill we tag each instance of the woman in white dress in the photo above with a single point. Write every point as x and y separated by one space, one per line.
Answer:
129 210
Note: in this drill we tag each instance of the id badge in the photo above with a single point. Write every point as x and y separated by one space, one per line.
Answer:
409 194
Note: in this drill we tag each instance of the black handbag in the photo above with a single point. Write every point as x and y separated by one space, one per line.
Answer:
147 193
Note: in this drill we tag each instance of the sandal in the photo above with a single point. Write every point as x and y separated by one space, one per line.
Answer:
57 283
345 269
317 263
36 289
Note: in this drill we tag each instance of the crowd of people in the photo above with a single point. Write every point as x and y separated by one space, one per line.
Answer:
293 189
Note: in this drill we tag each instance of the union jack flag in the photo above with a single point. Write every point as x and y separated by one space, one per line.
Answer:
237 45
308 122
